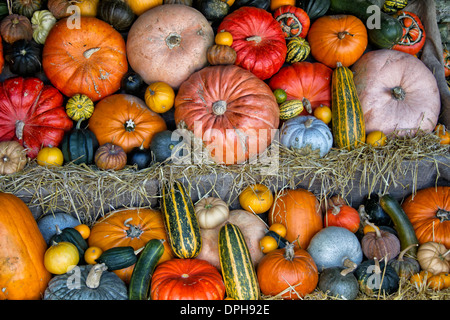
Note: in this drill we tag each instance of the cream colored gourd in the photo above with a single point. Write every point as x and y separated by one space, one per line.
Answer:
13 157
211 212
42 21
434 257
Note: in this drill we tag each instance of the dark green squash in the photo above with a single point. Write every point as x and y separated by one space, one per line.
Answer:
263 4
24 57
375 277
386 35
405 266
117 13
315 8
339 282
374 210
73 236
163 144
140 156
213 10
282 242
132 83
26 7
79 145
117 258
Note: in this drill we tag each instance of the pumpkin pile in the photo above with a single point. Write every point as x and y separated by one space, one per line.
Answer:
110 84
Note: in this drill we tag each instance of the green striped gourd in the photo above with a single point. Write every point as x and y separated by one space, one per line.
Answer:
347 118
290 109
392 6
298 49
236 264
181 222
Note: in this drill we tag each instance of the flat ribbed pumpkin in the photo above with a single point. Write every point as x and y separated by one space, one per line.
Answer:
125 120
22 247
230 109
89 59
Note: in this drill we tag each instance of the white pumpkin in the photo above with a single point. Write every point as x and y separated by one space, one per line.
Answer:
211 212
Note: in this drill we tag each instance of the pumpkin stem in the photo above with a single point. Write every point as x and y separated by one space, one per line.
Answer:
133 231
402 253
443 215
348 270
398 93
173 40
309 122
94 275
89 52
19 129
130 125
342 34
348 264
336 209
289 251
377 269
257 39
307 105
219 107
377 230
363 216
58 230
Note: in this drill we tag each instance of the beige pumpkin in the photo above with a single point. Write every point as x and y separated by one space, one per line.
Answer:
13 157
211 212
252 227
168 43
434 257
397 92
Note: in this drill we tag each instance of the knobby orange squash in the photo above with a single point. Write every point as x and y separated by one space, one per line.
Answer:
230 109
23 275
89 58
299 210
126 121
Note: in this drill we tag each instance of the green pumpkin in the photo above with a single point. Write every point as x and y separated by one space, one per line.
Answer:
213 10
339 282
163 144
377 277
26 7
315 8
92 282
117 13
24 57
79 145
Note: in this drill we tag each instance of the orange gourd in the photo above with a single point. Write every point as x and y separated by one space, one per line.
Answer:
299 210
126 121
140 6
23 275
88 59
343 216
429 213
337 38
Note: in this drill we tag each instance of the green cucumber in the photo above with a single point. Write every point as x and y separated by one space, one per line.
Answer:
118 258
384 35
141 277
402 224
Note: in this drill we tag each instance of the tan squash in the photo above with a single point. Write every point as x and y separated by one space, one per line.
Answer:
13 157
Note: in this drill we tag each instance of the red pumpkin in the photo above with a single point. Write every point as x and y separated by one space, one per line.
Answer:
289 272
294 21
257 39
32 114
342 216
305 81
446 55
232 110
429 213
89 59
414 35
187 279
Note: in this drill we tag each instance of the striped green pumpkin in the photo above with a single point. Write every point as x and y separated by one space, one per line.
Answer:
298 49
181 222
290 109
392 6
238 272
347 118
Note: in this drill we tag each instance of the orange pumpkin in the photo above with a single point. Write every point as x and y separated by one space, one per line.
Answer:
298 210
23 275
89 59
337 38
140 6
125 120
429 213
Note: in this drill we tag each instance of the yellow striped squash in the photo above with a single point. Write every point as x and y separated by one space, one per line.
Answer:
238 272
392 6
183 230
79 106
347 119
298 49
290 109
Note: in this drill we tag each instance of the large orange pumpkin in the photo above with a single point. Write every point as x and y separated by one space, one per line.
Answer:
23 275
88 59
130 227
337 38
298 210
230 109
126 121
429 213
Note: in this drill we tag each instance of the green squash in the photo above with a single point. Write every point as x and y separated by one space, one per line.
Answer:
376 277
79 145
315 8
213 10
24 57
73 236
339 282
162 145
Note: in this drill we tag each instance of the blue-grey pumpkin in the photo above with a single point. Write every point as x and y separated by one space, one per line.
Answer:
307 134
339 282
47 224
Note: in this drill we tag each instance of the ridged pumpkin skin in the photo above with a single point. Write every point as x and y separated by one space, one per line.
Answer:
125 120
428 209
305 80
38 107
181 222
187 279
223 116
89 60
385 111
22 272
347 119
258 40
238 273
172 46
300 212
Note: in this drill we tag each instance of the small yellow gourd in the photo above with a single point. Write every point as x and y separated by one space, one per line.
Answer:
61 257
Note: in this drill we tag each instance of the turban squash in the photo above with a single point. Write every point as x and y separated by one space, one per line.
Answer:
231 109
32 114
89 60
